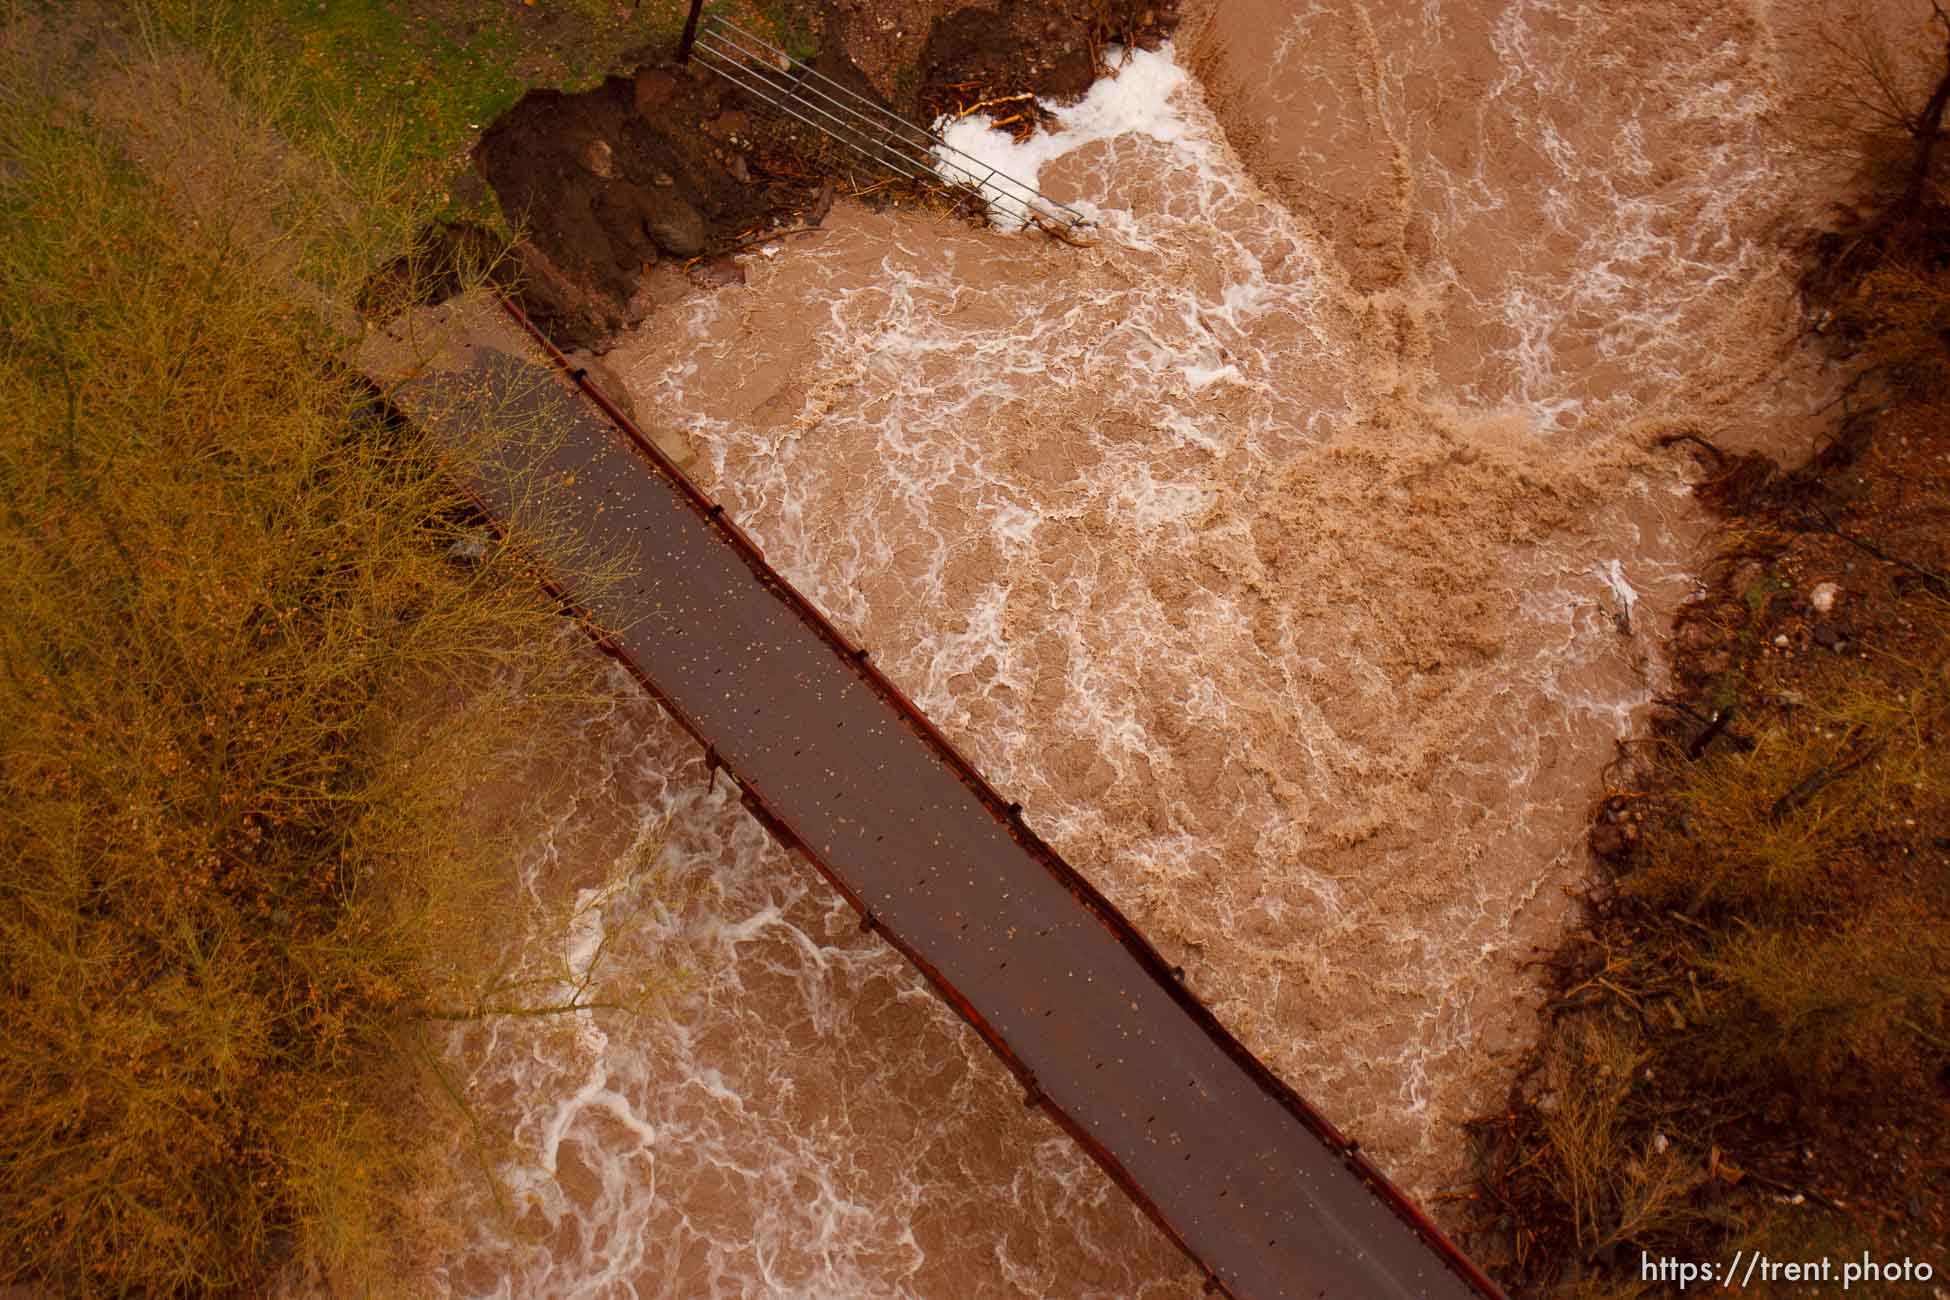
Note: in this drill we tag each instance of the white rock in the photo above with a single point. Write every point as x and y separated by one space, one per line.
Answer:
470 548
1823 596
598 160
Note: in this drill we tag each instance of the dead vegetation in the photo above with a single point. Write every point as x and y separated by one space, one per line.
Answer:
1878 271
257 655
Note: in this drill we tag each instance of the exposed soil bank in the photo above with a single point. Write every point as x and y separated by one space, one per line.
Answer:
676 164
606 183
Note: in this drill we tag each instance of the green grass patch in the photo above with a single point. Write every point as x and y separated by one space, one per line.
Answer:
444 70
443 77
445 80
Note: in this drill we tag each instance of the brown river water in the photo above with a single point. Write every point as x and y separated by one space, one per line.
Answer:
1296 553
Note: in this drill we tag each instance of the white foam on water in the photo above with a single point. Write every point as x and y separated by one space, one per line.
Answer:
1137 101
1612 574
789 1119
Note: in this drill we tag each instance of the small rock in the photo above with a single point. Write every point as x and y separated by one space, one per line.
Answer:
1823 596
731 125
676 226
1660 1143
719 271
624 212
662 180
1608 840
598 159
1781 641
642 301
739 171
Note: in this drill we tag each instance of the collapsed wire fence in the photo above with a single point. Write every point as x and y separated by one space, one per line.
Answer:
772 76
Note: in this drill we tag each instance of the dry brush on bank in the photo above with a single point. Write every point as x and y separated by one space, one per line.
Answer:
1878 269
246 690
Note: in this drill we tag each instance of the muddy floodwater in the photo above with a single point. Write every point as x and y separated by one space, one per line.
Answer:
1296 553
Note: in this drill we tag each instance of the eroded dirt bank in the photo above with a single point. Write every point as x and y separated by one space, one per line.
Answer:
620 188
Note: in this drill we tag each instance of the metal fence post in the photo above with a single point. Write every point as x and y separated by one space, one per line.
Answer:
690 32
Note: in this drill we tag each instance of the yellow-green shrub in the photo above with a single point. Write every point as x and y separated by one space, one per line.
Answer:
242 695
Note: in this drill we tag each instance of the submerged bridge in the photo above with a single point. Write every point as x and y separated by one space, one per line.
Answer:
1256 1186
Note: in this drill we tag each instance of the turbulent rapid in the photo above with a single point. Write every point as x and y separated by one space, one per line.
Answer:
1296 553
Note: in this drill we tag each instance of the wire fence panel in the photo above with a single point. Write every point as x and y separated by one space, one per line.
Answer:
796 89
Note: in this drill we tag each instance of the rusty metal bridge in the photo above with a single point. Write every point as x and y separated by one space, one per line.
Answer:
1257 1187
